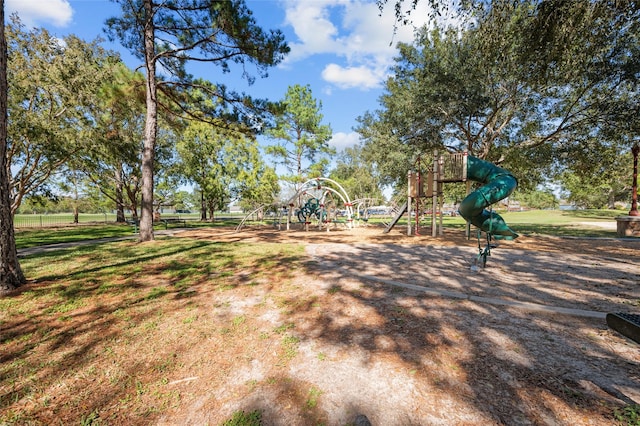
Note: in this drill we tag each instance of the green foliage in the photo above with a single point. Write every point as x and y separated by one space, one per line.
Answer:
59 204
53 85
531 85
92 419
597 181
224 165
240 418
112 167
538 199
222 33
357 176
290 347
171 34
301 134
312 399
185 201
260 187
628 415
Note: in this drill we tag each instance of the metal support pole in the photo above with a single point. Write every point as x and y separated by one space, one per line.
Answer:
440 194
409 227
440 204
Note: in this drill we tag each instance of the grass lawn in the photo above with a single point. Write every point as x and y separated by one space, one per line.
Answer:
564 223
98 333
561 223
41 236
548 222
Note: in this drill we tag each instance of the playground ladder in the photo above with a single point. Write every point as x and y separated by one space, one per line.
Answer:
398 214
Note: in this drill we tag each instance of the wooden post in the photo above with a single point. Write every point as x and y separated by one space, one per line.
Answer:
434 194
634 185
467 228
418 197
409 201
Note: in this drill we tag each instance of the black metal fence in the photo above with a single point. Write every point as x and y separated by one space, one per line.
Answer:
60 219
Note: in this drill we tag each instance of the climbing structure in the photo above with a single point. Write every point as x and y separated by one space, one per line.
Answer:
497 183
319 201
362 209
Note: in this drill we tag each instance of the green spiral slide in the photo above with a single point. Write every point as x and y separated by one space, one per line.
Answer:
499 184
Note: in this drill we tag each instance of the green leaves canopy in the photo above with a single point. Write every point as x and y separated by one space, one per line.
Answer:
301 135
53 84
224 165
171 33
526 83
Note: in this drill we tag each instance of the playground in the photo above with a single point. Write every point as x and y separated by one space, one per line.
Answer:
316 327
316 317
523 341
441 329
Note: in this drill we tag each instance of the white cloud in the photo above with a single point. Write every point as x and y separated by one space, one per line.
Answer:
314 29
354 31
341 140
32 12
352 77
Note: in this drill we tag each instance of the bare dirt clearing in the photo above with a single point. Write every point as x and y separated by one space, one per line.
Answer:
400 329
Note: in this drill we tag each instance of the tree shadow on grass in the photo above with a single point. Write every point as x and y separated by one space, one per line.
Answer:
68 319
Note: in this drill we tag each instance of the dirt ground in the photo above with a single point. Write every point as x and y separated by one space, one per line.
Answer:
401 330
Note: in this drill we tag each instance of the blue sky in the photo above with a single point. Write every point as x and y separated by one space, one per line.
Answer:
341 48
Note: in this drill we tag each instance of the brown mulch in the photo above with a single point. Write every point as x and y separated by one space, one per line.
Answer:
372 343
628 248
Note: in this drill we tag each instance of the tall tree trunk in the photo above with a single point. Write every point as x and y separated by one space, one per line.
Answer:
611 199
76 211
11 276
203 207
132 196
212 207
150 128
120 218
